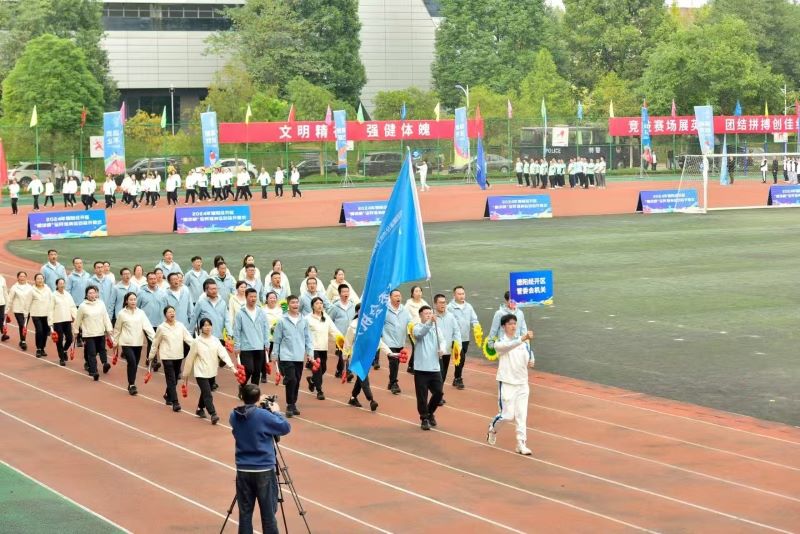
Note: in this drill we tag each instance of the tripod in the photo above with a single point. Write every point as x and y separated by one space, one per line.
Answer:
281 472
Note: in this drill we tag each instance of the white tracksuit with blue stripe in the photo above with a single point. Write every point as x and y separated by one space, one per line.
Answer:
512 383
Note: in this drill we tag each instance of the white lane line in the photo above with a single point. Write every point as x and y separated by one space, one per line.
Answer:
71 501
709 423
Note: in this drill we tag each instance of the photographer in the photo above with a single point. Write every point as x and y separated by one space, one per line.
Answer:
255 426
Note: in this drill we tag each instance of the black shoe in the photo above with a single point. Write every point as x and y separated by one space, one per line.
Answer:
79 343
106 368
458 383
373 405
442 402
38 353
295 411
132 390
425 425
337 374
62 363
85 366
201 413
354 402
376 366
176 407
320 395
166 399
96 377
263 379
432 420
395 389
214 419
289 413
311 386
350 377
214 386
156 366
410 370
44 354
23 345
5 337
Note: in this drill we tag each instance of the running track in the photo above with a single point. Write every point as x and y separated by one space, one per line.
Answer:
604 459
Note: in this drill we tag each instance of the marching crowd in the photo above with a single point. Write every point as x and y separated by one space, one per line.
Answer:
194 322
582 172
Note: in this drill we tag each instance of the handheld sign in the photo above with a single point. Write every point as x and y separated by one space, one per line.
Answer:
531 288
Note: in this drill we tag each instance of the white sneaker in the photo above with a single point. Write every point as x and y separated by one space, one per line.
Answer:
491 436
523 449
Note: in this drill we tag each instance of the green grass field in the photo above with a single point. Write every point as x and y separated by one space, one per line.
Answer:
702 309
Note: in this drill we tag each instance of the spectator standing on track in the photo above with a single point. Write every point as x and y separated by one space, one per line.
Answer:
18 306
264 181
278 181
294 179
52 270
764 168
775 170
13 194
60 319
525 172
86 193
423 176
292 345
203 362
92 319
49 190
171 187
467 320
40 305
519 170
169 347
191 184
129 332
109 188
35 188
427 370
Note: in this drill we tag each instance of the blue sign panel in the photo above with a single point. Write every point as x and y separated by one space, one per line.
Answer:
531 288
366 213
67 224
208 123
668 201
203 219
784 195
502 208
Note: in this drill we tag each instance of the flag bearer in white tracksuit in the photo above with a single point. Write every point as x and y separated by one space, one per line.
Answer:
512 381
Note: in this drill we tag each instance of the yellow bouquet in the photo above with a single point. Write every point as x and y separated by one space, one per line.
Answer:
477 331
488 349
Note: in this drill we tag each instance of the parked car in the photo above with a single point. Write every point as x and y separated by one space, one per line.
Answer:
380 163
311 167
232 163
493 163
26 170
142 166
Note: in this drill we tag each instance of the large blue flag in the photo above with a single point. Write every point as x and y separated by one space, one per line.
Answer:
480 164
737 112
724 179
398 256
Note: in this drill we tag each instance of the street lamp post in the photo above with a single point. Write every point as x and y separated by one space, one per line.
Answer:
172 105
465 90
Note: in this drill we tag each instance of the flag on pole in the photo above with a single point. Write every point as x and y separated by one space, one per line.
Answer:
611 109
3 166
723 166
249 115
398 256
34 117
123 113
509 110
291 114
437 111
580 111
737 112
403 112
84 112
674 112
480 165
328 116
544 111
360 114
766 109
164 118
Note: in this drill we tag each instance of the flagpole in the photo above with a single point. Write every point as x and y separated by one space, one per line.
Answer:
36 133
80 152
510 150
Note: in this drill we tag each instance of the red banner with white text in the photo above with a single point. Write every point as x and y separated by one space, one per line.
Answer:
685 125
310 132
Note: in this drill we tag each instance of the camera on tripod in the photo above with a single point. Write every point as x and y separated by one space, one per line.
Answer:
267 400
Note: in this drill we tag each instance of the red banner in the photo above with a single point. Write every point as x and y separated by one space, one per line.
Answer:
310 132
752 124
3 165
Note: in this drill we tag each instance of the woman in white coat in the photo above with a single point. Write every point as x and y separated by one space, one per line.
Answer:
18 306
60 319
40 304
168 347
129 330
203 362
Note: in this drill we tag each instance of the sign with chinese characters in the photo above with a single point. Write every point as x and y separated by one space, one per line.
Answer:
208 123
113 143
204 219
531 288
67 224
96 146
668 201
340 124
501 208
784 195
365 213
704 123
307 132
686 125
560 136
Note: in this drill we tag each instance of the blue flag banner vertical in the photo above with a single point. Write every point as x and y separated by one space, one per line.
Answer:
460 139
398 256
704 118
723 166
340 130
480 162
113 143
208 122
647 149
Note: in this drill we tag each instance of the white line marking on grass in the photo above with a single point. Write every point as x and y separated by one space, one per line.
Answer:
761 353
723 332
609 328
53 490
611 315
651 322
678 339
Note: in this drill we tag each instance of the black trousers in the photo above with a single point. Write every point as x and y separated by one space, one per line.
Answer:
92 348
206 401
460 367
64 331
264 191
204 193
774 178
394 365
14 209
172 197
292 373
132 355
316 376
239 192
172 370
427 382
67 199
278 190
261 487
362 385
190 193
296 190
109 201
42 331
217 193
50 199
22 323
264 367
253 361
86 200
519 178
36 202
444 366
247 193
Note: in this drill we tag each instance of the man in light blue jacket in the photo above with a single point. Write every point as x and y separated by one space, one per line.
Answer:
179 298
291 344
342 312
52 270
450 334
395 330
467 319
224 281
166 264
313 291
77 281
427 370
105 287
251 336
213 307
122 288
193 280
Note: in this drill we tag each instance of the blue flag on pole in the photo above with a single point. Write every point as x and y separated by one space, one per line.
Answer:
580 111
398 256
480 165
737 112
403 112
723 165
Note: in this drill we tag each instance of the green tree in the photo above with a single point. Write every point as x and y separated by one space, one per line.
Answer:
231 92
78 20
544 82
612 36
51 74
773 24
486 42
311 101
612 88
419 104
711 61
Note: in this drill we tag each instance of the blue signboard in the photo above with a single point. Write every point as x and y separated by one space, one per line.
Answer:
366 213
461 154
502 208
704 120
67 224
113 143
203 219
668 201
340 131
531 288
208 123
784 195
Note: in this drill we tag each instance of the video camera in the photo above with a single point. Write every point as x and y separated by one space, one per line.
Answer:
267 400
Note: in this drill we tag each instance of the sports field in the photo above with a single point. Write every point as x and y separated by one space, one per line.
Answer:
702 309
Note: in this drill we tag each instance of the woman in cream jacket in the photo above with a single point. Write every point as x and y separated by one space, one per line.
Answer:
93 322
333 288
3 302
131 326
322 331
18 306
168 347
61 316
40 304
203 362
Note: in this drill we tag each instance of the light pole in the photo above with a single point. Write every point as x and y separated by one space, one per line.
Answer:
172 105
465 90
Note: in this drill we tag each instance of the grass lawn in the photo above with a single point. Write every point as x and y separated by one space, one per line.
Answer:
702 309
